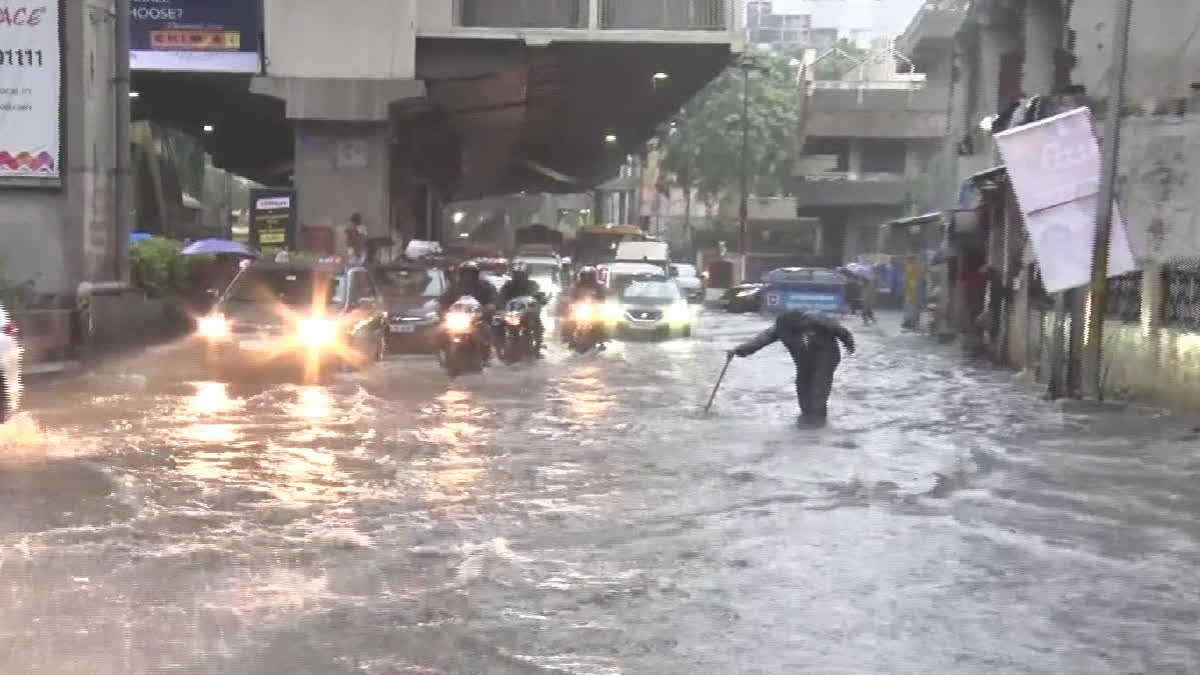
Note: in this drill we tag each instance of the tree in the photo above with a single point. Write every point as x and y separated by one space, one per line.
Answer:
703 150
839 60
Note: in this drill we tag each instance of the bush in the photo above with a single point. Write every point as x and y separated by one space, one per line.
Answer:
156 267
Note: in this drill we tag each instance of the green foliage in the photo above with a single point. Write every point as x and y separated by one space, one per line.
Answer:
705 149
157 268
844 56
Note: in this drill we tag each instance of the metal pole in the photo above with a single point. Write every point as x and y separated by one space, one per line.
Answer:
428 213
122 183
744 202
1104 211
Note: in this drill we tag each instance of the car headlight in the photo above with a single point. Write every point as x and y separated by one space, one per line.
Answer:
213 326
612 311
458 322
317 332
745 293
431 315
679 313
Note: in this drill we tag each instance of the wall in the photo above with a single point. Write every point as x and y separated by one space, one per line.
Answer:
59 237
367 39
1163 49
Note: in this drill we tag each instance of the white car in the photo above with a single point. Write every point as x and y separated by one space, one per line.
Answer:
10 366
689 281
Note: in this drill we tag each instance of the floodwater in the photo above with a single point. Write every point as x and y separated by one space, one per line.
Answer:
581 516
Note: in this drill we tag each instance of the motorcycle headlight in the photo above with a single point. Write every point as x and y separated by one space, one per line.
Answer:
317 332
582 312
213 326
458 322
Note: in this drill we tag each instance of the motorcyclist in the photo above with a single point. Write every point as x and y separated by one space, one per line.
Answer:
812 340
587 288
520 285
469 283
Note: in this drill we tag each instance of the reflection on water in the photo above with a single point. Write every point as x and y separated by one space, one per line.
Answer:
211 398
588 398
23 439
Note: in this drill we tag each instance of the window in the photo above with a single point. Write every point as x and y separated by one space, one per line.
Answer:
1181 297
1125 297
884 157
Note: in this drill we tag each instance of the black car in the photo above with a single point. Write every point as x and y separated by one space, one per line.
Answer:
410 292
742 298
311 317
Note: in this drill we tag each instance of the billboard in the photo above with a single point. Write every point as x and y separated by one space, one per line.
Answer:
210 36
30 92
273 218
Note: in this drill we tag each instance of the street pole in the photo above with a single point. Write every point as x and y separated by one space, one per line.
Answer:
122 175
744 202
1093 356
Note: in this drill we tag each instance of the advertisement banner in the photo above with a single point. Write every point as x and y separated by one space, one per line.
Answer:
211 36
30 92
1054 168
273 218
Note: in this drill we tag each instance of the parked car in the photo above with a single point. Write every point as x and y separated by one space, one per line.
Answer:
410 293
10 366
689 281
653 306
310 317
742 298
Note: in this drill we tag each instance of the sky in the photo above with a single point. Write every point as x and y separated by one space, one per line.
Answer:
875 17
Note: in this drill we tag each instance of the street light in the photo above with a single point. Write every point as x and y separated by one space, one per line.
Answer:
610 138
458 217
208 128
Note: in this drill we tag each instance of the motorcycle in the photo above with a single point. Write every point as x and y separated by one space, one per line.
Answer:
584 327
517 337
461 349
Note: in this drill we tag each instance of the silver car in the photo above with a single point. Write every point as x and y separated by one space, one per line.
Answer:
653 307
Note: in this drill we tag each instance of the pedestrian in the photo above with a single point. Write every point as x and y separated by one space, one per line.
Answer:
356 239
812 340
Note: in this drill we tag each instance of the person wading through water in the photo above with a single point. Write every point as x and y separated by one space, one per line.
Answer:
812 340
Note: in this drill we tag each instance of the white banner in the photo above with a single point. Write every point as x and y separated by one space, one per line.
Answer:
30 90
1054 167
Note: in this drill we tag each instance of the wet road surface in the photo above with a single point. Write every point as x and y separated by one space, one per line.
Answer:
581 516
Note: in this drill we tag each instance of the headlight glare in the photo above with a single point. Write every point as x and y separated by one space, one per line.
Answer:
317 332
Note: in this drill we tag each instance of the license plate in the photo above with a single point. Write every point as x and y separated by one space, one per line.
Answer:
403 328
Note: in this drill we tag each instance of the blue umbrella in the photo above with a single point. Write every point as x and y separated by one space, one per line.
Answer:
218 247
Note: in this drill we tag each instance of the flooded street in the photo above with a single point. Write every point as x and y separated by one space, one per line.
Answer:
581 516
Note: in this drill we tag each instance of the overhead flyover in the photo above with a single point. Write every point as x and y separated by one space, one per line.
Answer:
420 101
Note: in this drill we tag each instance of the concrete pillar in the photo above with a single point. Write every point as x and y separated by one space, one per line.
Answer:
855 159
1043 28
343 168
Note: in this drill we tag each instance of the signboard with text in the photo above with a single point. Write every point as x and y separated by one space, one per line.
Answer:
30 92
1054 167
212 36
273 218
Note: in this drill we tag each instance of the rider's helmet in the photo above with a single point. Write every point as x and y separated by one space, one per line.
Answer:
588 275
468 271
519 272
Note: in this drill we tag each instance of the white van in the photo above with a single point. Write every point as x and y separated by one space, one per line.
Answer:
653 252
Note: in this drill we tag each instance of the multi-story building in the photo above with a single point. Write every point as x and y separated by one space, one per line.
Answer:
867 144
785 31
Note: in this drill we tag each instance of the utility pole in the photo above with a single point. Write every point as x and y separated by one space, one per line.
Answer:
1093 356
744 201
122 174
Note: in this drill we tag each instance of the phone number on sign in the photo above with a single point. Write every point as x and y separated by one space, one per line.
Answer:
29 58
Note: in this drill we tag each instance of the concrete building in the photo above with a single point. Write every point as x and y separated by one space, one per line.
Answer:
866 143
789 32
1014 61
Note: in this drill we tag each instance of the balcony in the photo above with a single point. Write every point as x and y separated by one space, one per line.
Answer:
853 189
934 26
851 109
543 21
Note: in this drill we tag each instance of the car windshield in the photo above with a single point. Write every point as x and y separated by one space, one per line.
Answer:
651 290
410 283
288 287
